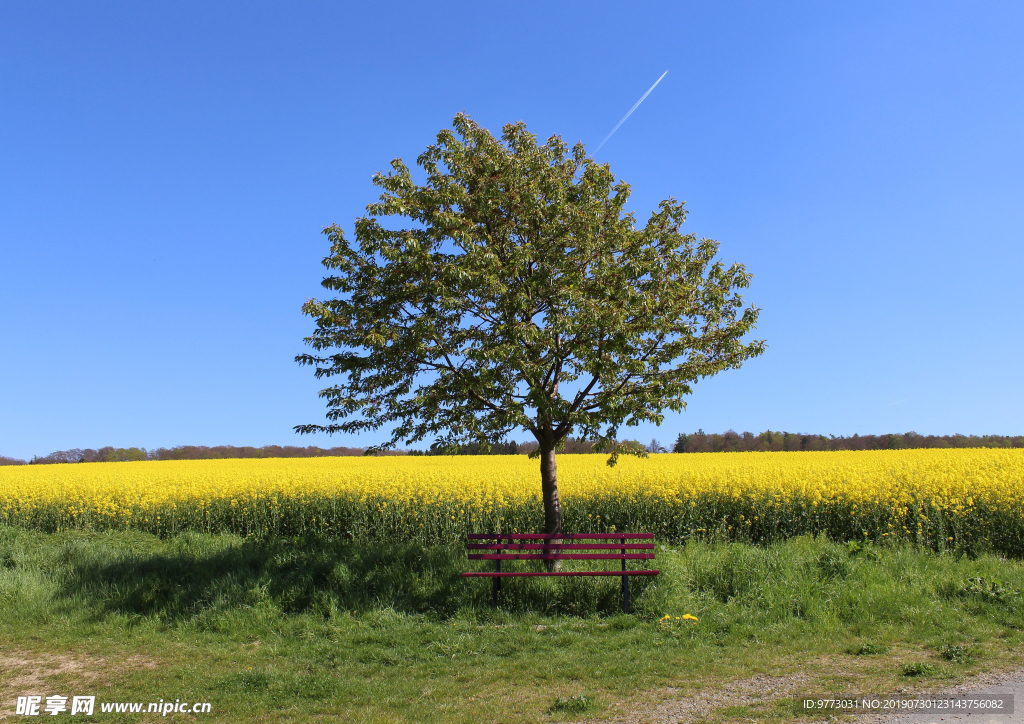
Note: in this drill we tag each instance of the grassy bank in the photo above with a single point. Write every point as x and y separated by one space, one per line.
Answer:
304 629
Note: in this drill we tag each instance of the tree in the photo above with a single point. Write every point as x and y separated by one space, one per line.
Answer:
518 294
654 446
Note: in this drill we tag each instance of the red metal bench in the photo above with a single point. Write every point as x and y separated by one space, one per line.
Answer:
500 547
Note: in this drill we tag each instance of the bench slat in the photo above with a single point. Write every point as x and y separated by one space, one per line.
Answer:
560 556
558 546
516 574
557 536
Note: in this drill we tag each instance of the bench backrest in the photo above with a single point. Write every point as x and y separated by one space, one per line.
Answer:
548 546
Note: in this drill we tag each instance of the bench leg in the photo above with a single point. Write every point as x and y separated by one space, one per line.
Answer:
496 587
625 581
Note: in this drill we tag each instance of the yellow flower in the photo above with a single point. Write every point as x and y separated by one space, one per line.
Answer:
921 495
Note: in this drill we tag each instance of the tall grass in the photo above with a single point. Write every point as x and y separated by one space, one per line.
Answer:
731 587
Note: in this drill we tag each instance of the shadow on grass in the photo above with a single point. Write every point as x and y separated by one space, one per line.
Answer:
222 581
196 574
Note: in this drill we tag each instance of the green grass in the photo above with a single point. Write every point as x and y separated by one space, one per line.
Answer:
296 630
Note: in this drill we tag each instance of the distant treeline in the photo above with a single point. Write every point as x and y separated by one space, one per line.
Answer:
731 441
202 452
186 452
700 441
498 448
572 447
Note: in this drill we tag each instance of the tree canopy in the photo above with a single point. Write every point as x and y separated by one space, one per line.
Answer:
512 290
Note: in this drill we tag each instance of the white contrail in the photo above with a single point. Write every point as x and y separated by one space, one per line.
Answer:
631 111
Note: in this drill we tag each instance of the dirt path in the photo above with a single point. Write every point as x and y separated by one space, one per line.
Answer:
978 688
679 708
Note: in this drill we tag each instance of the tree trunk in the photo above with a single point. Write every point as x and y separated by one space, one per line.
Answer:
552 506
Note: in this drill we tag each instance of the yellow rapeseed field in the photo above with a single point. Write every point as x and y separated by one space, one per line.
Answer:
945 499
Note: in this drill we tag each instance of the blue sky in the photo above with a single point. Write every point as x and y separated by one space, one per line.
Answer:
166 168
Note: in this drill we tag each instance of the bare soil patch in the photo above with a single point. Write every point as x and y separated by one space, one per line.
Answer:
24 673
